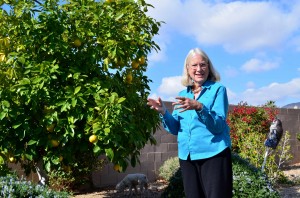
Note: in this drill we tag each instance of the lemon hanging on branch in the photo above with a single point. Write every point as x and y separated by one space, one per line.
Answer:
93 139
77 42
135 64
128 78
142 60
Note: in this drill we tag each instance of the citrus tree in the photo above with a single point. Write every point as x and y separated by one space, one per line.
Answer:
72 83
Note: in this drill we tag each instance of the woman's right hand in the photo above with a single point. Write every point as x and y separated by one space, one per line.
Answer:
158 105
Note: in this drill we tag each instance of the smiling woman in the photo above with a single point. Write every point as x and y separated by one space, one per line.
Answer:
199 122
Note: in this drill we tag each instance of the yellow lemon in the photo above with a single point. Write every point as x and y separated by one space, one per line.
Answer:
117 167
135 64
54 143
77 43
50 127
12 159
142 60
128 78
93 139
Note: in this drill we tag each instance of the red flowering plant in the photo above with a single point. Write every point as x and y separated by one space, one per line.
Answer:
244 119
249 127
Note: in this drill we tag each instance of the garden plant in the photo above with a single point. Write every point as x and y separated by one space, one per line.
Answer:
13 187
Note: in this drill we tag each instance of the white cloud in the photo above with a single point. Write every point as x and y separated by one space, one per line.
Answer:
278 92
250 85
170 86
257 65
237 26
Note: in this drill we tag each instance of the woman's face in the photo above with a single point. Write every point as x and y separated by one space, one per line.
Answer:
198 69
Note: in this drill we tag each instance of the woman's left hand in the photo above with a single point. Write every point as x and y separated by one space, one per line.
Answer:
187 104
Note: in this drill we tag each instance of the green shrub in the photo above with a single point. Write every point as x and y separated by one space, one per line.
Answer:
169 167
11 186
248 181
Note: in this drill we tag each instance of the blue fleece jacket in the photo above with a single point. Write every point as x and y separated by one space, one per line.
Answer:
204 133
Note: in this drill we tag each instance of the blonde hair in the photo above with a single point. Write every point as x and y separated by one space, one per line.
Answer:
213 74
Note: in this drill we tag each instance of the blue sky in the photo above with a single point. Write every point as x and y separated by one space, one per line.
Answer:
254 45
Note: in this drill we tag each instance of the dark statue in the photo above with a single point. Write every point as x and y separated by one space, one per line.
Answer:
275 134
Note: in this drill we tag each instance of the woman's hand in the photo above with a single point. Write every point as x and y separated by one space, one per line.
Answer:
187 104
157 105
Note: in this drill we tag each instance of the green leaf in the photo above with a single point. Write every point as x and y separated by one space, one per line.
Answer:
96 126
48 166
55 160
96 149
31 142
121 100
5 103
74 102
119 16
16 125
109 153
107 131
24 81
77 89
3 114
28 156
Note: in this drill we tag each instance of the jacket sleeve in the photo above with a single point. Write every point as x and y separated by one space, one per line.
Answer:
215 117
170 122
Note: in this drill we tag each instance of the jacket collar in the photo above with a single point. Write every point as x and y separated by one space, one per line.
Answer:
206 85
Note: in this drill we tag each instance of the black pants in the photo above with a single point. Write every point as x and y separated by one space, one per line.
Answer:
208 178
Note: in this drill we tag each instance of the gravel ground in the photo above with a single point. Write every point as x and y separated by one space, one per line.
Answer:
154 191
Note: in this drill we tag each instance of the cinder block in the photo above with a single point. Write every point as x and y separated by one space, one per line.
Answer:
148 148
168 138
172 147
112 180
166 156
96 178
143 157
135 169
157 157
151 157
147 167
162 148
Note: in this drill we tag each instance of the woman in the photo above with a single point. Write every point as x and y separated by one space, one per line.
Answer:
199 121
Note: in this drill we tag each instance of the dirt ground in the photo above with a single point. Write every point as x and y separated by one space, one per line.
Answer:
154 191
156 188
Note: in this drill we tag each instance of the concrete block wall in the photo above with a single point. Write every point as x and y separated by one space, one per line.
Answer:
291 122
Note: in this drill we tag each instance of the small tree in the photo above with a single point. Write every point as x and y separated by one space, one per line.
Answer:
72 83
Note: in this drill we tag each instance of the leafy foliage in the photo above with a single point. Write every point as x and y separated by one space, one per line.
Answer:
248 181
11 186
66 74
